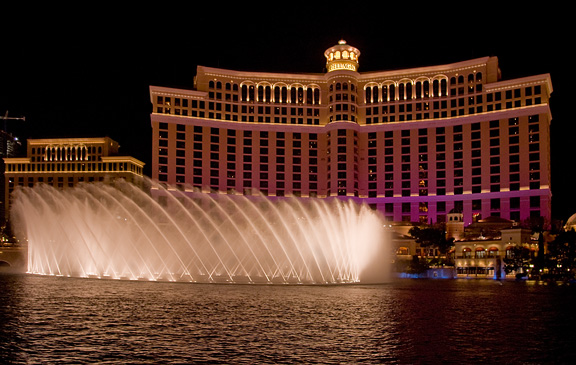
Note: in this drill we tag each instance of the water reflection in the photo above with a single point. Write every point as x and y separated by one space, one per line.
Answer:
46 319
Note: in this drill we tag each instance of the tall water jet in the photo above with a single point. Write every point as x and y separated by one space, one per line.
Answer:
122 232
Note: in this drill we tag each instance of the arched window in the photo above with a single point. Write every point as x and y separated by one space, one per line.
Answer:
510 252
440 86
375 94
480 252
392 92
493 252
435 88
309 96
443 87
467 252
244 91
247 91
268 93
402 251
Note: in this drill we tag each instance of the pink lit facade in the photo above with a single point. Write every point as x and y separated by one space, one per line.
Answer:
413 143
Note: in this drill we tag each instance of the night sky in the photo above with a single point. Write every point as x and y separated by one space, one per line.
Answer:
85 72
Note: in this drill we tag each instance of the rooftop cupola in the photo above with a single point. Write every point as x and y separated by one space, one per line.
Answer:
342 57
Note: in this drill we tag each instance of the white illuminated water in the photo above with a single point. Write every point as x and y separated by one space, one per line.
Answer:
121 232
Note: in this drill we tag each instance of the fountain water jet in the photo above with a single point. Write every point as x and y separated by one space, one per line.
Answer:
122 232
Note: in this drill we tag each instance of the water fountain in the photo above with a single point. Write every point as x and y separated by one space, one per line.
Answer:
121 231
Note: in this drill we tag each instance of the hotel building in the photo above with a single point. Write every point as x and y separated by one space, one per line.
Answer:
65 162
414 143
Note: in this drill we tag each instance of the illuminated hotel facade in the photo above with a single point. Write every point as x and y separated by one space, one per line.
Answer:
415 143
66 162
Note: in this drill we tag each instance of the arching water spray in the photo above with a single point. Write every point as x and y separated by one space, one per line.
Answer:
122 232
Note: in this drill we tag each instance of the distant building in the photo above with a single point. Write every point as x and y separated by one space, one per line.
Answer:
65 162
413 143
9 147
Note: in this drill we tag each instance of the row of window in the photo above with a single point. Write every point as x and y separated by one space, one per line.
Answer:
342 107
57 181
385 162
406 149
233 172
74 167
483 253
422 210
443 109
66 153
373 92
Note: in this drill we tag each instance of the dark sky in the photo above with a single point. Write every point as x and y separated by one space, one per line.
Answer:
85 71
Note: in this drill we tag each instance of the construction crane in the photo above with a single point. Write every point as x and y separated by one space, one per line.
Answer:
6 118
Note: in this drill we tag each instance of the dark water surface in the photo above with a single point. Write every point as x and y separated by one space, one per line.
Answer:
62 320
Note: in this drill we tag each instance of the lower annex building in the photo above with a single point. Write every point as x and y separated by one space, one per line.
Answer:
414 143
66 162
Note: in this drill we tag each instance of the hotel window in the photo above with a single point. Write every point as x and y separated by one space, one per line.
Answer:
480 253
406 212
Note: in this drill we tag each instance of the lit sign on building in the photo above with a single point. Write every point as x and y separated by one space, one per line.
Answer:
341 66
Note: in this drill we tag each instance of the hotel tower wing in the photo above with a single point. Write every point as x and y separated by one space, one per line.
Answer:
414 143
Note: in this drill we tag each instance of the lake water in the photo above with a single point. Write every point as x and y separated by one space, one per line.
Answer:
62 320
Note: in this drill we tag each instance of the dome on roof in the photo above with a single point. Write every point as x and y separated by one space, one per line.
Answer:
571 223
342 57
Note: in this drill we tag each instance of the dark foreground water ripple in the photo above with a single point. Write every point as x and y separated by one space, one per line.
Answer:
61 320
